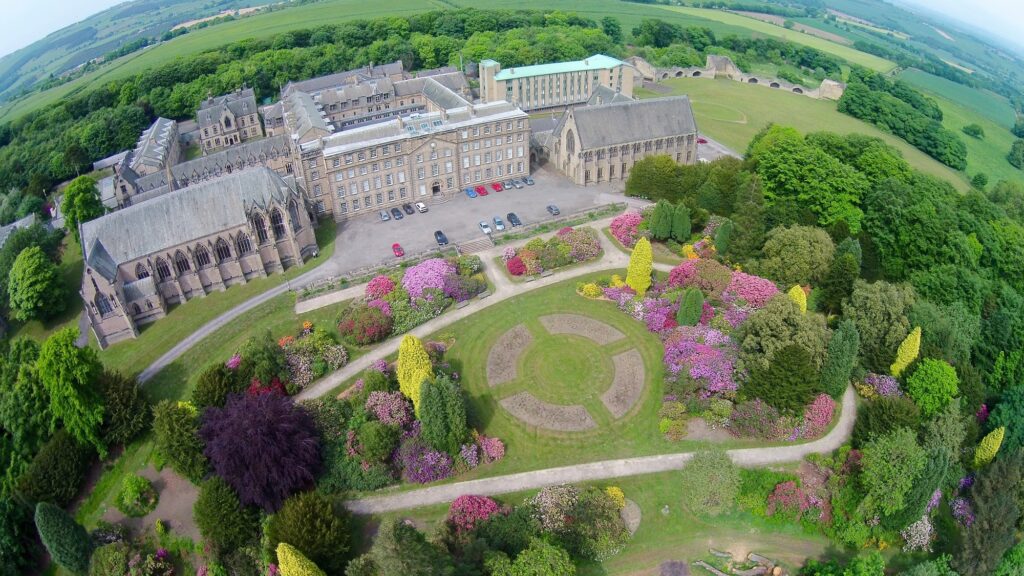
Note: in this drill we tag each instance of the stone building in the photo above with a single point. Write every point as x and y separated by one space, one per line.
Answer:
157 148
602 142
228 120
274 153
189 242
553 85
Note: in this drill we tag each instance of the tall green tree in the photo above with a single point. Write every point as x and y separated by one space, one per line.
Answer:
24 404
691 306
176 427
443 415
838 284
995 496
789 383
1016 154
710 482
840 359
611 27
541 558
35 286
889 467
796 255
661 220
312 523
81 203
71 377
36 235
401 550
879 310
66 540
681 223
933 385
654 178
222 520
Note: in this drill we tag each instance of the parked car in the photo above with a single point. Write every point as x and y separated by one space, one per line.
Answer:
507 185
440 238
485 227
471 193
553 210
496 186
513 219
498 224
407 208
528 180
396 214
701 140
481 191
384 217
397 249
421 207
517 183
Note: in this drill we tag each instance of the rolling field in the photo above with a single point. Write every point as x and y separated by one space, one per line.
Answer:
733 112
990 105
845 52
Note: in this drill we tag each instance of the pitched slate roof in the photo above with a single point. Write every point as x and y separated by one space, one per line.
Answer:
153 145
303 115
240 103
595 62
246 154
139 289
635 120
180 217
335 80
605 95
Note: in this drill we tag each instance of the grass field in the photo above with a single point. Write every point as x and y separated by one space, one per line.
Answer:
733 112
675 535
844 52
132 356
990 105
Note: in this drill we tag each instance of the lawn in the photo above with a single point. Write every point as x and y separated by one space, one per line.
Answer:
676 535
132 356
70 269
733 112
988 104
847 53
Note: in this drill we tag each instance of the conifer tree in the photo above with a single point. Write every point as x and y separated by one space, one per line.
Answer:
443 415
691 306
681 223
661 220
907 352
641 264
291 562
66 540
414 367
987 449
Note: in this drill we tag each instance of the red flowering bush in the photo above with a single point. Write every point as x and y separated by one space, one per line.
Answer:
257 388
467 511
710 276
755 419
626 228
788 499
515 266
365 325
380 287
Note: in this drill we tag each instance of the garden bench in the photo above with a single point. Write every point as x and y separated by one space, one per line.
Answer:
484 294
546 273
462 304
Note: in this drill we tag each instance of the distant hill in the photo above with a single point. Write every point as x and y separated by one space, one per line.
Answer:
101 33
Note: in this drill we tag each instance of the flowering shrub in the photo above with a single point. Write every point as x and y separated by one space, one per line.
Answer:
918 536
365 325
617 496
492 448
552 506
389 407
508 253
982 414
381 305
710 276
568 245
515 266
712 225
467 511
380 287
788 499
427 274
705 247
962 511
657 313
626 228
470 454
257 388
818 415
704 354
755 419
380 366
234 362
157 564
300 369
749 289
421 464
934 501
883 384
591 290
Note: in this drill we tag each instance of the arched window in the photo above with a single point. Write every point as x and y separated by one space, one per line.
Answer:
202 256
293 213
103 304
162 270
223 252
141 272
181 263
570 143
261 228
277 223
242 244
136 310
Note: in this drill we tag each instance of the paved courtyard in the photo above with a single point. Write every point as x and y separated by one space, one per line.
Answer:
365 240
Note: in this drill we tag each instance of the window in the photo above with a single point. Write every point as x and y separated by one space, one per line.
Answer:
339 176
202 256
380 198
136 310
242 244
373 152
181 263
366 185
376 182
391 195
317 191
387 164
448 167
433 154
312 164
420 173
389 179
355 203
277 223
400 162
401 176
465 161
293 214
398 147
366 201
103 305
419 158
348 158
448 182
141 272
343 207
336 162
261 228
434 170
402 193
376 167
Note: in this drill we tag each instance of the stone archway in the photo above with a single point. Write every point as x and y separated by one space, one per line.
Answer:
798 90
696 73
774 85
435 188
751 80
680 74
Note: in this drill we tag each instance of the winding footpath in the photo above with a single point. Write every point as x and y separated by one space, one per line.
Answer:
536 479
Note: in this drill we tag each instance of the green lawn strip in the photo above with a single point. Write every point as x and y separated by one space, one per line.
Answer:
136 456
677 535
662 254
733 112
845 52
132 356
70 269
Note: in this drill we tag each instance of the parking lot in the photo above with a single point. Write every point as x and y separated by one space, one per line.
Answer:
366 241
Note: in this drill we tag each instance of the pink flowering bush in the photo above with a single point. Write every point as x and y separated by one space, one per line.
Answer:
467 511
552 506
626 228
380 287
234 362
492 448
705 355
390 408
508 253
380 366
755 419
747 288
427 274
710 276
381 305
818 415
516 266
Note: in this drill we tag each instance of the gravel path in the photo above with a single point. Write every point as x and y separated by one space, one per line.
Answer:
536 479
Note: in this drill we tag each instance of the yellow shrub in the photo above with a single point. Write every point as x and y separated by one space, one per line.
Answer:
641 263
591 290
616 281
797 294
616 494
907 352
291 562
414 368
689 253
989 447
864 390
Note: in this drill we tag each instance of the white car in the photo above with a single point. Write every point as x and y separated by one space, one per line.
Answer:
421 207
485 227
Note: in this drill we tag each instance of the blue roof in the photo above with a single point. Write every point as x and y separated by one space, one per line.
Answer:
595 62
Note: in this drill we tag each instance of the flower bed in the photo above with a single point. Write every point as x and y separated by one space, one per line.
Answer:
568 246
397 303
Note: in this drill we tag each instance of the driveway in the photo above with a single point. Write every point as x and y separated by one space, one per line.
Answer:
714 150
366 241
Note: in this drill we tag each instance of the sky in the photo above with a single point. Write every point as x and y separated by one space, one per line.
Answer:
26 21
1001 17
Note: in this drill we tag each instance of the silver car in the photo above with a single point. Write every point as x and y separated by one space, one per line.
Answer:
485 227
498 224
384 216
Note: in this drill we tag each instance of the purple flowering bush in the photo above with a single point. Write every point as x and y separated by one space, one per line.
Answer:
883 384
962 511
421 464
390 408
705 355
427 274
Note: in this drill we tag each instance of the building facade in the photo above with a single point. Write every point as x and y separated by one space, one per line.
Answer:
157 148
601 143
228 120
554 85
187 243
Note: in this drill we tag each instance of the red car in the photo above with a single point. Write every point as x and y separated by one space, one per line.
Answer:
702 140
481 191
496 186
397 249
